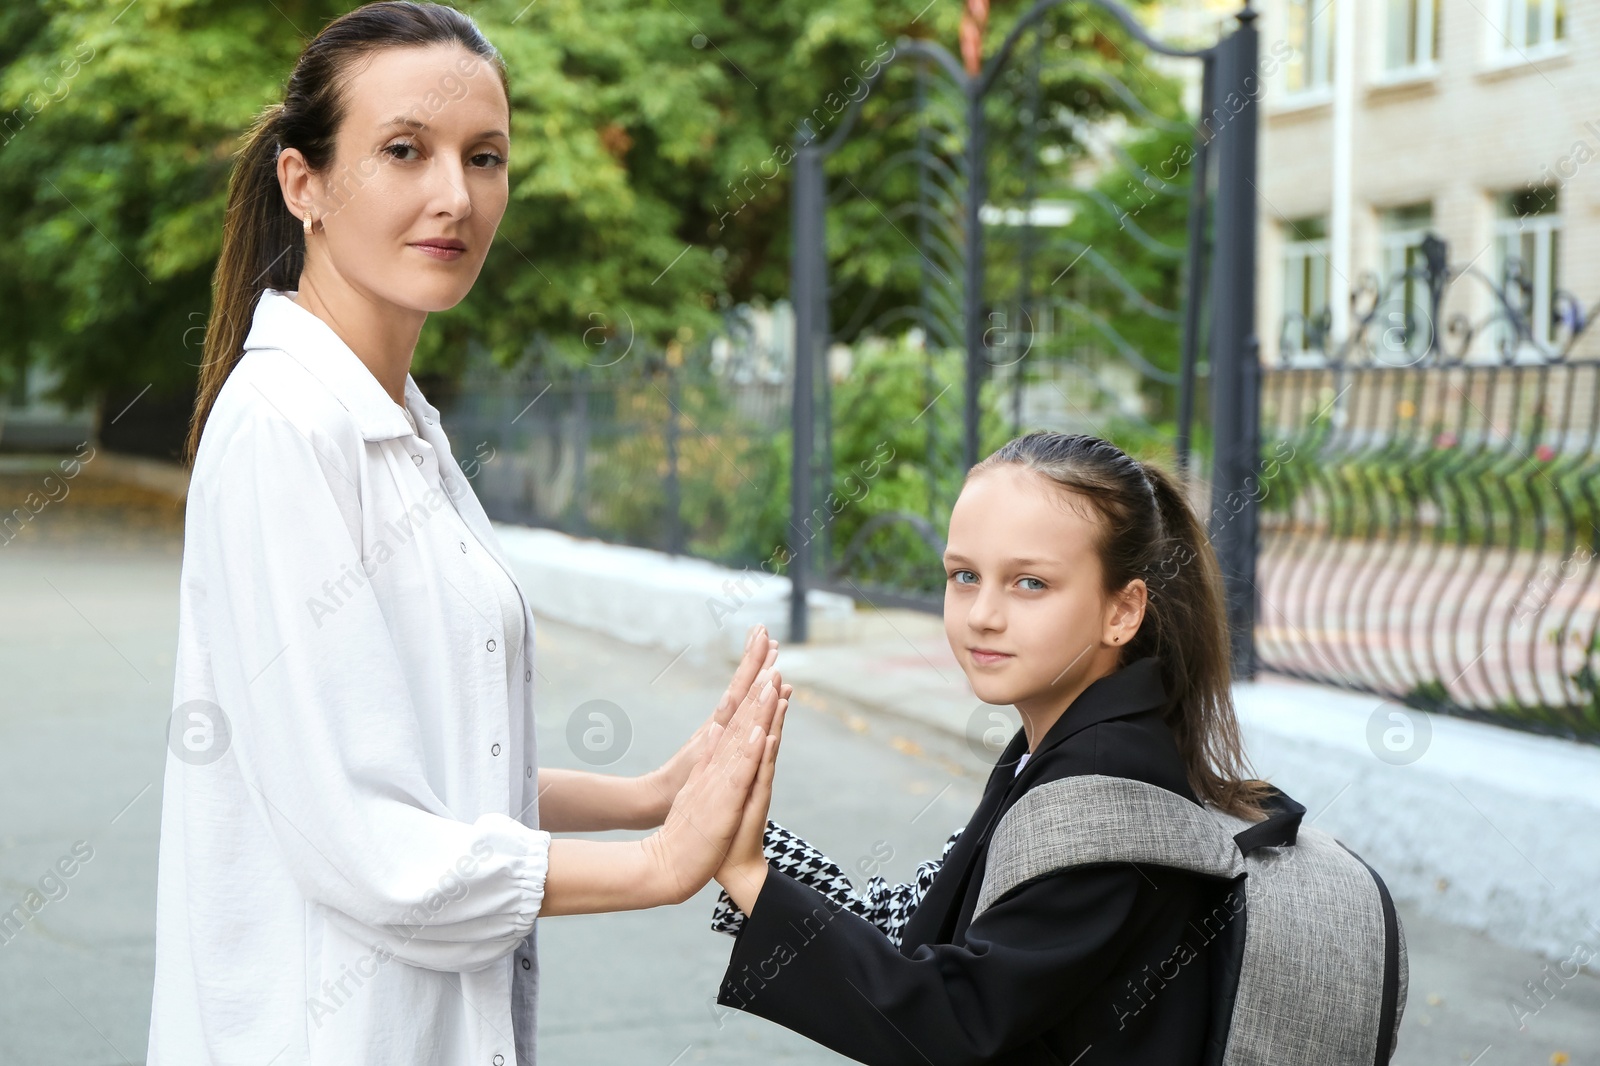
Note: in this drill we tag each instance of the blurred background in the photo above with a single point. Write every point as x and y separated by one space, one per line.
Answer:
773 276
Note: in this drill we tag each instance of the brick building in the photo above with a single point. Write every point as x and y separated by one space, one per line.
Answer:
1476 120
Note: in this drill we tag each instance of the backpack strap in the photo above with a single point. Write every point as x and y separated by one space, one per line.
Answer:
1280 829
1095 818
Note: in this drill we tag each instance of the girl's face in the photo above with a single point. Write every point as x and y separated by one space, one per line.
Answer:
1023 581
420 157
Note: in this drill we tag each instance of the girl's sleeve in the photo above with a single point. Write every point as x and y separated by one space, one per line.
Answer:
323 734
884 905
1027 962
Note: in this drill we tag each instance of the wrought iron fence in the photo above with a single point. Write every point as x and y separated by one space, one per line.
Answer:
1429 502
949 225
676 458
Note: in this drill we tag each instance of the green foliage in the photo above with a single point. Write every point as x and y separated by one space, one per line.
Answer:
881 249
1480 493
649 182
1579 720
901 408
896 450
1588 682
1147 278
731 474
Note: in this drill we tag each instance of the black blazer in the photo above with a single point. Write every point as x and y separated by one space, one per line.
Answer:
1093 966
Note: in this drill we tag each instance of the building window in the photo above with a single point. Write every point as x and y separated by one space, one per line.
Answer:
1527 251
1402 329
1310 68
1305 285
1523 26
1411 35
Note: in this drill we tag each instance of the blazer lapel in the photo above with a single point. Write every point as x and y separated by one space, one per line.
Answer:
951 899
933 922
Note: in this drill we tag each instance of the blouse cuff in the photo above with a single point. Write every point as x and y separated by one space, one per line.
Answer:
529 865
535 869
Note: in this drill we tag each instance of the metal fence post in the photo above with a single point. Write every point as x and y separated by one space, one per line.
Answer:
973 297
674 492
809 328
580 489
1194 270
1235 377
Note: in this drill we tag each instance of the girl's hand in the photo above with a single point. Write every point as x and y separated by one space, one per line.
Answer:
745 870
707 811
660 786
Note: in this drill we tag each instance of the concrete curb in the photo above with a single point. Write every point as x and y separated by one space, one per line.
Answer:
1480 826
646 597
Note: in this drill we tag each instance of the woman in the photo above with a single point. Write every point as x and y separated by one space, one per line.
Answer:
355 837
1081 588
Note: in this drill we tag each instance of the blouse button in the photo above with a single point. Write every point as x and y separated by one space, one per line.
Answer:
527 675
494 750
463 547
428 420
499 1060
526 964
416 459
530 771
490 644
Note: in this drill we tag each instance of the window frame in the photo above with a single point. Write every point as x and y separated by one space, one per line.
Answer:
1297 260
1400 249
1316 57
1510 231
1423 58
1508 30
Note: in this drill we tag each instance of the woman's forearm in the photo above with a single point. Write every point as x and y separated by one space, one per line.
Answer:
576 801
593 876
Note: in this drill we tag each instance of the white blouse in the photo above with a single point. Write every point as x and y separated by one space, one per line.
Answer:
350 863
511 611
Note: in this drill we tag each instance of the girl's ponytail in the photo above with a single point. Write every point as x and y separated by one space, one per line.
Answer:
1149 532
1191 637
263 247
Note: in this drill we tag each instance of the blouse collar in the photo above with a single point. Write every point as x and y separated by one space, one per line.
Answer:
280 323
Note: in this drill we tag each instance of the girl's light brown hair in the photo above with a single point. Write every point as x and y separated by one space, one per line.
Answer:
263 244
1148 530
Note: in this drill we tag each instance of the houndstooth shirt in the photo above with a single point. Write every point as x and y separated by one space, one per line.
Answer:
886 906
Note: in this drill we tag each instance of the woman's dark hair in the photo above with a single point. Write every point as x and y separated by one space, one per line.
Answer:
1148 530
263 244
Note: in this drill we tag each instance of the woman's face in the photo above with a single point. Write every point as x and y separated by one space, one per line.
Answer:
420 157
1022 578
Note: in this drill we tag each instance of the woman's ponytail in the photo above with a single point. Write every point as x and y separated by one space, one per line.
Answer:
1149 532
262 247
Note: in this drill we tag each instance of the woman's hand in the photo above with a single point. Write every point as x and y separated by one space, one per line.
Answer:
660 786
745 870
700 825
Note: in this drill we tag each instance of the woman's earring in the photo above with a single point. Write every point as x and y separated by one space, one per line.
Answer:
308 225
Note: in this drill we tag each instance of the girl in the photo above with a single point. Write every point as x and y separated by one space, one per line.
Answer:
355 834
1082 589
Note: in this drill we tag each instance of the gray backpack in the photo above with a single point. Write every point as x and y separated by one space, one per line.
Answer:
1308 960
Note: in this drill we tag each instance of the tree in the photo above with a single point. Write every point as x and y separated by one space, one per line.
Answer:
648 184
